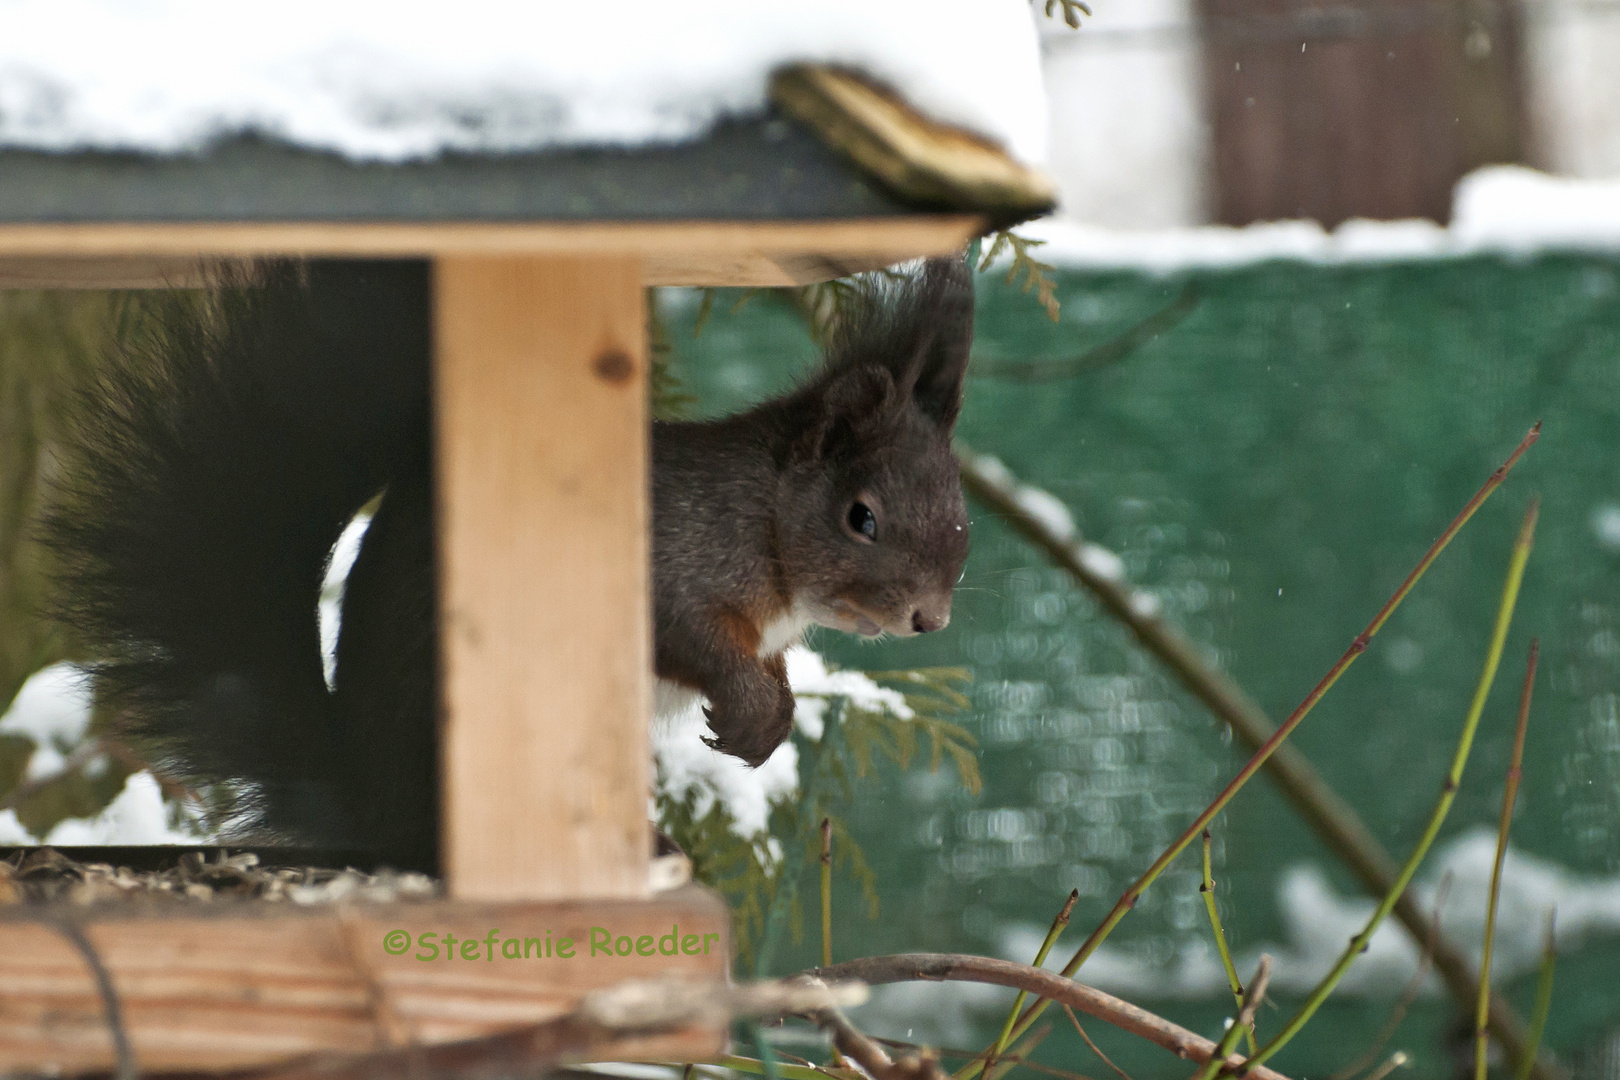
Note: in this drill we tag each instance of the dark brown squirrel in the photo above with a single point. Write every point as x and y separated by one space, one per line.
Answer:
219 455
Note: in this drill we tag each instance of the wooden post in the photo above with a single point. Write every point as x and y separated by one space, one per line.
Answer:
543 532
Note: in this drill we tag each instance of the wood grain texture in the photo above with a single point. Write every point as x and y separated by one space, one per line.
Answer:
672 253
235 985
540 383
915 156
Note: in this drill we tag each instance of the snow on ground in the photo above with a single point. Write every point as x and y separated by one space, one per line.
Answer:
53 710
1501 208
1319 921
137 816
377 80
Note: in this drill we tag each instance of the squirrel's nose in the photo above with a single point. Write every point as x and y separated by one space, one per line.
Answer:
923 620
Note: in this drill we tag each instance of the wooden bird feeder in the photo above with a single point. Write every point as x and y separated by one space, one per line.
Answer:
539 265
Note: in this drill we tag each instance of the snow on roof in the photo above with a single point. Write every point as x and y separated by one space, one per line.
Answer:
1504 208
390 81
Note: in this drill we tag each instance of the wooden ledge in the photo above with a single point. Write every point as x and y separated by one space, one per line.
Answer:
219 986
172 255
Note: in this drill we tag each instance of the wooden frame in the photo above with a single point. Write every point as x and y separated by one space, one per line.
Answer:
540 373
543 485
244 984
101 255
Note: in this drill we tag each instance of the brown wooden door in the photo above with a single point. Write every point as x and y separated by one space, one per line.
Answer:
1358 108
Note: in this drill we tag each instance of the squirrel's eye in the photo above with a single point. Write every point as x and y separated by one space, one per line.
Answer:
862 521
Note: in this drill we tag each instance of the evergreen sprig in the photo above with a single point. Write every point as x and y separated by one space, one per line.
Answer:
1036 274
931 694
1072 10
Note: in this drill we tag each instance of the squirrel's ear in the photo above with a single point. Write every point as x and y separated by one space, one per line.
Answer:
854 409
942 316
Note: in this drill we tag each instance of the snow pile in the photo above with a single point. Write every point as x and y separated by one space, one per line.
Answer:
1319 922
137 816
12 831
686 765
1504 209
52 710
375 80
815 686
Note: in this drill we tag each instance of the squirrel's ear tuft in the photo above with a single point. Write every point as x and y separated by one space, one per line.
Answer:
940 314
920 331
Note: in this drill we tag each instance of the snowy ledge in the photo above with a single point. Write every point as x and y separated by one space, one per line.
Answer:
1504 209
486 76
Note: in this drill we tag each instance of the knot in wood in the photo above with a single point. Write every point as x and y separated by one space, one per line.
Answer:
613 366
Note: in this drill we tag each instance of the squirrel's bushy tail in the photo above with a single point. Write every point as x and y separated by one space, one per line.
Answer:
217 457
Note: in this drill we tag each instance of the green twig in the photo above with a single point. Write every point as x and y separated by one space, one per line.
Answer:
787 884
1482 1011
1396 1060
1357 647
826 891
1414 987
767 1059
826 906
1332 818
1061 921
1448 792
1543 1005
1021 1052
1244 1021
756 1067
1207 889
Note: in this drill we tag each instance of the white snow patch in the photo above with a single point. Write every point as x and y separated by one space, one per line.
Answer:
137 816
1505 209
53 710
1319 923
686 764
1098 560
815 686
994 471
376 80
1519 210
1145 604
1606 524
1047 509
12 831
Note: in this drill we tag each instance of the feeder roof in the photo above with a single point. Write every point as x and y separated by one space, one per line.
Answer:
373 80
489 110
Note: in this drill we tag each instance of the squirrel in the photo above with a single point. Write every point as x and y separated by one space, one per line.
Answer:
218 455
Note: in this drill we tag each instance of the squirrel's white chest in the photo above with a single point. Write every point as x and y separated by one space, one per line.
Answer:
786 629
671 699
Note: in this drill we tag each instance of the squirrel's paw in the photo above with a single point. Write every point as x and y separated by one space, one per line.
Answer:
751 734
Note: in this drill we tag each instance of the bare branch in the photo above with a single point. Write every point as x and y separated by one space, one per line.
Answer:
953 967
